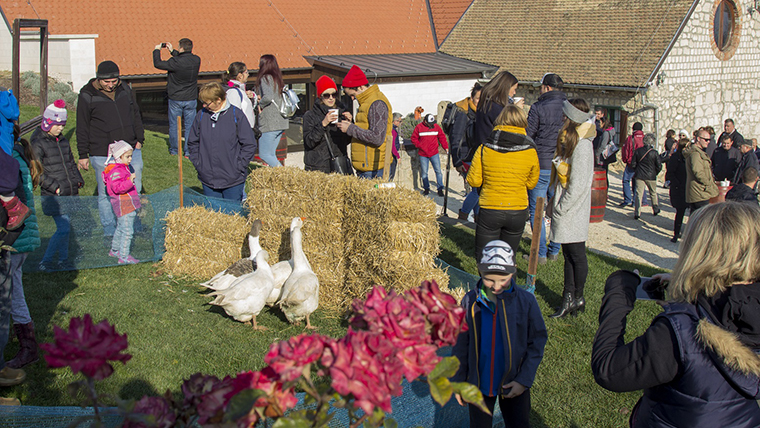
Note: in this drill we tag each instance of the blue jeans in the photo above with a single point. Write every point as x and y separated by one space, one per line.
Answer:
540 192
122 237
5 301
471 202
186 109
268 147
59 241
436 161
627 178
369 174
234 193
19 309
107 217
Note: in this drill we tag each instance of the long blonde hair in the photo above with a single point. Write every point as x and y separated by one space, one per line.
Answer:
720 247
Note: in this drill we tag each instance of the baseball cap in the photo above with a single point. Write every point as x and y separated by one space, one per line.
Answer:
497 257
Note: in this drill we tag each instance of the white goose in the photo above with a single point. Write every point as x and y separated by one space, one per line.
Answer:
245 298
225 278
283 269
300 293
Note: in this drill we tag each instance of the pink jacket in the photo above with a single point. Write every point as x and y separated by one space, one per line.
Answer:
427 139
119 185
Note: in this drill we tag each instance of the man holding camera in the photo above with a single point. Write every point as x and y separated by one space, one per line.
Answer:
181 85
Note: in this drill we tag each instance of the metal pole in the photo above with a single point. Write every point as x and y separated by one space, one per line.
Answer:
180 156
43 67
16 77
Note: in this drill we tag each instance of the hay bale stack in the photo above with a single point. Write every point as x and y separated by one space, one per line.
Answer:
277 195
201 242
392 238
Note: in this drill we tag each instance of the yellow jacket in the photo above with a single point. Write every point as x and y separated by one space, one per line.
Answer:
505 172
366 157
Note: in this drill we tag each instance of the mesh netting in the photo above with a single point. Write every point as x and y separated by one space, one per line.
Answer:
88 248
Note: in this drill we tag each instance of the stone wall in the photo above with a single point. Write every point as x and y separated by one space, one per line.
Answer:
698 88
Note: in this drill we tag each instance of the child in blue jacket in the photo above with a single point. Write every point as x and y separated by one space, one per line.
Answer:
504 345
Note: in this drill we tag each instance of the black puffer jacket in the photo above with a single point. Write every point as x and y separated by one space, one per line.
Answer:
101 120
677 176
646 163
60 170
316 156
545 119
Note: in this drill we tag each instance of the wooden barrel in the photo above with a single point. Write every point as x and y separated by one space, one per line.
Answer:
598 195
721 194
281 152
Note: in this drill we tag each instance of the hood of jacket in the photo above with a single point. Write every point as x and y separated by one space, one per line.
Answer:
730 330
505 139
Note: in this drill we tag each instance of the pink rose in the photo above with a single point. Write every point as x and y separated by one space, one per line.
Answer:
158 408
289 357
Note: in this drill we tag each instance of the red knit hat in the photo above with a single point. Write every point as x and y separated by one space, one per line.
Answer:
355 78
324 83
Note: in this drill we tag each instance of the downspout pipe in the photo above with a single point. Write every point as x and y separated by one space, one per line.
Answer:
656 109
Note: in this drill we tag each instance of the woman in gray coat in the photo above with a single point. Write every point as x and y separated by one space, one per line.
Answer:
572 174
271 123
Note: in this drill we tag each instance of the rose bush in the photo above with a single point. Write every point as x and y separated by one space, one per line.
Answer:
391 336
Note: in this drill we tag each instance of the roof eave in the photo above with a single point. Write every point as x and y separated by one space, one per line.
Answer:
672 42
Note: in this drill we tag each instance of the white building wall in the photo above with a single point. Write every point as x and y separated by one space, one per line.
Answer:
698 89
405 97
71 58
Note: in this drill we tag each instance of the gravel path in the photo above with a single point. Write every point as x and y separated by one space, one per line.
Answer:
646 240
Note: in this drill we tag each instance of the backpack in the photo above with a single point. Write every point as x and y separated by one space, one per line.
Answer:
289 103
449 117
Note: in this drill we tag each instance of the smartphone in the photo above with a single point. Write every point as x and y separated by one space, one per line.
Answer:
163 45
650 289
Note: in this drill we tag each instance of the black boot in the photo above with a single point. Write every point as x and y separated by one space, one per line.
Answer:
566 307
28 353
579 305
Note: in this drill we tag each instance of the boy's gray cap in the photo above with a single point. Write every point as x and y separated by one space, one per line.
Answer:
498 257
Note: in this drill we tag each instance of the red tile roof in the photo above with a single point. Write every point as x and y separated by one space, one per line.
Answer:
446 14
236 30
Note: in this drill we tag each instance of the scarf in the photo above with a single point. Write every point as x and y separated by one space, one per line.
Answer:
505 139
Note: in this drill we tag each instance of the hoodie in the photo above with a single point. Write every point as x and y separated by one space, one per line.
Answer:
9 113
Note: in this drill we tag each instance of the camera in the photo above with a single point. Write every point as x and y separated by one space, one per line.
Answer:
163 45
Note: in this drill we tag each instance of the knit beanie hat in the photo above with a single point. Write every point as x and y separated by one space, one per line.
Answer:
107 70
355 78
498 257
118 148
324 83
55 114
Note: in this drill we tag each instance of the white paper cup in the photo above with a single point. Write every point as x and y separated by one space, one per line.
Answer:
336 111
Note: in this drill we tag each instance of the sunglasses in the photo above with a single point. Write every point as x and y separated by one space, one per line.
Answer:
330 95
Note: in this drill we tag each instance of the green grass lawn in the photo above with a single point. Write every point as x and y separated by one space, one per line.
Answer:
174 333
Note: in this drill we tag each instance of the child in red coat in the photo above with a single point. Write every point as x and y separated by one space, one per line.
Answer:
120 185
426 137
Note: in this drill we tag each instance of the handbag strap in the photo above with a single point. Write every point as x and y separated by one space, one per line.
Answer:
329 145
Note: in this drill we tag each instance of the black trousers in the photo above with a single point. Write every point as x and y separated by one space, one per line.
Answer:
678 222
576 267
694 206
514 411
506 225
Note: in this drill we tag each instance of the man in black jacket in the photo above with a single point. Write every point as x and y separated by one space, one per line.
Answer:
108 112
725 159
748 160
729 129
181 86
745 192
646 164
545 119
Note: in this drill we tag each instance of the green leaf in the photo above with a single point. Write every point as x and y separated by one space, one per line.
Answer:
440 389
242 403
447 367
471 394
390 423
291 422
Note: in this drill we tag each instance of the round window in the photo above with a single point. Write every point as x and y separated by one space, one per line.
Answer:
725 29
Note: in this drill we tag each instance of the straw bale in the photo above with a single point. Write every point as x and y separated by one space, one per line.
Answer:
201 242
354 235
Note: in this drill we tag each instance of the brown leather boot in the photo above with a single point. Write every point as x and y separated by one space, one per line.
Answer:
28 353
